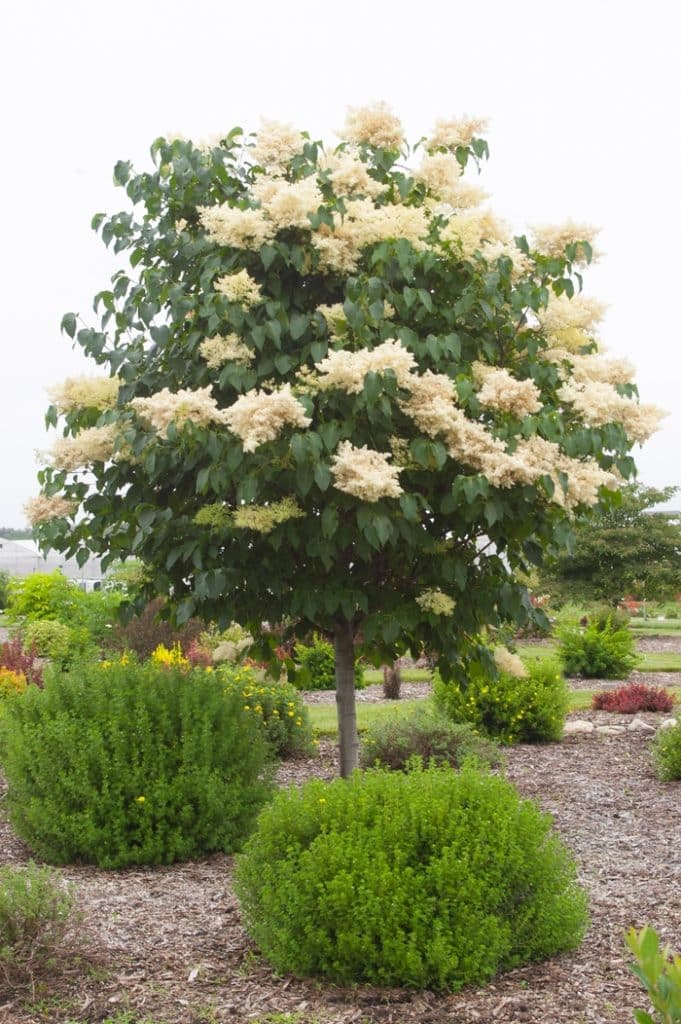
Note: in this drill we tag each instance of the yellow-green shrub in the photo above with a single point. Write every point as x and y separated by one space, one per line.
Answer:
429 879
510 709
132 764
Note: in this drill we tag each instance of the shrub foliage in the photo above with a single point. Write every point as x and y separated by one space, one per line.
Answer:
393 741
429 879
131 764
627 700
510 709
276 706
318 666
601 651
36 910
667 753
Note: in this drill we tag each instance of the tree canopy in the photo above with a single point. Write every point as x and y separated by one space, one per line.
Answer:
622 549
338 396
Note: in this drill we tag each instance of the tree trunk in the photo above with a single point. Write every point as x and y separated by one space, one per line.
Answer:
392 681
344 643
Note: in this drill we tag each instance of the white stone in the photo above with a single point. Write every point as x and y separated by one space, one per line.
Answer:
610 730
668 723
638 725
577 726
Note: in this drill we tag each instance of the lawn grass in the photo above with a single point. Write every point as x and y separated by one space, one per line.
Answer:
650 627
665 661
409 675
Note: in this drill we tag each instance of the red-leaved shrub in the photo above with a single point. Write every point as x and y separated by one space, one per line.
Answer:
627 700
26 663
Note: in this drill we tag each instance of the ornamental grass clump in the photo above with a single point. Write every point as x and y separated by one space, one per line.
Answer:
132 764
601 651
392 742
275 706
427 879
36 911
628 700
513 708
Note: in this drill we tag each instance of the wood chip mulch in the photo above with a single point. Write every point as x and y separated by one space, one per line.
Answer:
166 945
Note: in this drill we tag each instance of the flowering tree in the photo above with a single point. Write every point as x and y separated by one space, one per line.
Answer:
339 396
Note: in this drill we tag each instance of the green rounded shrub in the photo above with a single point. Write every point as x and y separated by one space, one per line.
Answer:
428 879
276 707
132 764
318 666
600 651
667 753
392 742
509 709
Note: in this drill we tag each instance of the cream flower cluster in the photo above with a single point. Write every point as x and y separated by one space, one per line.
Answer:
592 367
599 403
85 393
183 406
258 417
440 173
509 663
264 518
365 224
435 602
470 229
375 124
276 145
239 287
347 370
287 204
505 393
96 444
43 508
551 239
456 132
231 349
563 317
349 175
365 473
241 229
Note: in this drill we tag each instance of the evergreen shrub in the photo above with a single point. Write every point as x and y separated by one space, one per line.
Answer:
392 742
600 651
132 764
427 879
509 709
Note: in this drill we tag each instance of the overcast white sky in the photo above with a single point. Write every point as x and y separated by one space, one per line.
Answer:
583 100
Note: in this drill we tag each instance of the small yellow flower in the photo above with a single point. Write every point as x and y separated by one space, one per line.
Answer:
140 799
322 800
291 714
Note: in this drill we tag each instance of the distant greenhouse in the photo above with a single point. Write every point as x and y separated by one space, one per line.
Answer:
23 557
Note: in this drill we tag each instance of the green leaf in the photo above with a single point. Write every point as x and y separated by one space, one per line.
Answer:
329 521
68 324
322 476
267 255
298 325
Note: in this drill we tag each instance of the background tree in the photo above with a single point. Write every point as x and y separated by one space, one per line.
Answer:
621 549
339 398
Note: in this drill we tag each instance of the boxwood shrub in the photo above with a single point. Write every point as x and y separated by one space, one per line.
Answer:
428 879
132 764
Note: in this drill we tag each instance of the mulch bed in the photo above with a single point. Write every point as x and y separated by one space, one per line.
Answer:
167 944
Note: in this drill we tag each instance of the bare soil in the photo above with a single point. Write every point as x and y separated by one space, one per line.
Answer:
167 945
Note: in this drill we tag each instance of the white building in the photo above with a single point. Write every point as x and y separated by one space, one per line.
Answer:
23 557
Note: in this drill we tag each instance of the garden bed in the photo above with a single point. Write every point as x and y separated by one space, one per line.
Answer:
166 943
